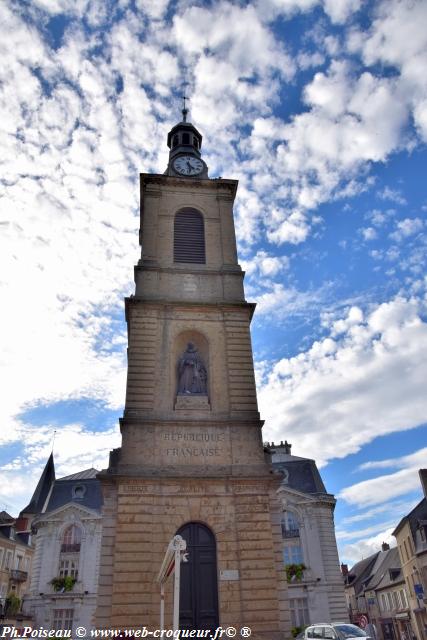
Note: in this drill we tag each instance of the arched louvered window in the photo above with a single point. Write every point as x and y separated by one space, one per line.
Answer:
189 237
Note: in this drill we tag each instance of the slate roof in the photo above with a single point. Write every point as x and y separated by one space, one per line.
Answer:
418 513
360 574
52 493
87 474
63 491
5 517
300 474
42 489
389 568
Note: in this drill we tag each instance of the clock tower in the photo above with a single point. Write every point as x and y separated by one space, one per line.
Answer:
192 459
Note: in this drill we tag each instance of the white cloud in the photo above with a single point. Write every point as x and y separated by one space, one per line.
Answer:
395 195
350 384
265 264
406 228
352 553
369 233
414 460
397 38
275 299
75 449
338 10
382 489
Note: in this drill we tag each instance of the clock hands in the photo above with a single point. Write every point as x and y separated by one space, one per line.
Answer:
188 166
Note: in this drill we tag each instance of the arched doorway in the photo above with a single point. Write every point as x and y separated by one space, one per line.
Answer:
199 583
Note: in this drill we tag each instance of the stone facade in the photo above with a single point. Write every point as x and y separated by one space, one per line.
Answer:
196 458
308 539
67 525
377 596
16 555
411 537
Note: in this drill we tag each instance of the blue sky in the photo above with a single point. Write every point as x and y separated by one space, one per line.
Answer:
319 109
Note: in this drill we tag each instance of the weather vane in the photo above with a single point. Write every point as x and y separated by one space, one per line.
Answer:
184 109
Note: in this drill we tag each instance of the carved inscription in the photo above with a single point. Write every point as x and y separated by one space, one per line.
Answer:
195 446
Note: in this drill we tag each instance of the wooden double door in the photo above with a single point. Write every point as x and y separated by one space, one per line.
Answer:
199 581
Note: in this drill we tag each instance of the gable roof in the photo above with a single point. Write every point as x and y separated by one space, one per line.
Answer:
360 574
419 512
391 566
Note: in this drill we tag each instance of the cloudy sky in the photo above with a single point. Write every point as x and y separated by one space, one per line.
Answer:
319 109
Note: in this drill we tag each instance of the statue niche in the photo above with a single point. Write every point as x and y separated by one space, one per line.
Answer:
192 374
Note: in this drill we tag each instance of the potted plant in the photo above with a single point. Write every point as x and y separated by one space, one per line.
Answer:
66 583
294 572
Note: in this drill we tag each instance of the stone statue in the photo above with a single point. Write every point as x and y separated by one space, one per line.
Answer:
192 375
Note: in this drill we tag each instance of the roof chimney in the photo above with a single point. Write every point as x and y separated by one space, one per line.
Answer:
385 546
287 447
423 478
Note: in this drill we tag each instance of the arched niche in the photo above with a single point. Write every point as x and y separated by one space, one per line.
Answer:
180 345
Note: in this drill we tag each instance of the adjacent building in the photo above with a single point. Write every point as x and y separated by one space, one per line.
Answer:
310 556
377 595
411 537
65 517
16 553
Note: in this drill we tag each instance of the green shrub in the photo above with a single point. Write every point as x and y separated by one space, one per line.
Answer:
12 604
63 584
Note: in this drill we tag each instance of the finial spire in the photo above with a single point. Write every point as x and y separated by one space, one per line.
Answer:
184 109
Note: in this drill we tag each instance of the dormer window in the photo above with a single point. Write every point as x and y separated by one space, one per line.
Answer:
185 138
78 491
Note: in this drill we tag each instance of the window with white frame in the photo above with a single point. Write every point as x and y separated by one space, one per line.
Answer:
62 619
68 567
299 612
69 558
7 560
290 525
292 554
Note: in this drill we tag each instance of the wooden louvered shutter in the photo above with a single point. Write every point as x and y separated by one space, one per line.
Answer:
189 237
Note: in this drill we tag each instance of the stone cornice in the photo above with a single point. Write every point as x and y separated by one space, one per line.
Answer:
181 304
154 179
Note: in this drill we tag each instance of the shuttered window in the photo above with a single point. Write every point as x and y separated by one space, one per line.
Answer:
189 237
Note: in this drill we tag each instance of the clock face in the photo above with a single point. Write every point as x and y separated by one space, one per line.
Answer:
188 165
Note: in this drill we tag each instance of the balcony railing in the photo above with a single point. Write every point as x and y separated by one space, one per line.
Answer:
18 576
70 548
290 533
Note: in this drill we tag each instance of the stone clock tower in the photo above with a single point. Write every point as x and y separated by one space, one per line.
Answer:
192 460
